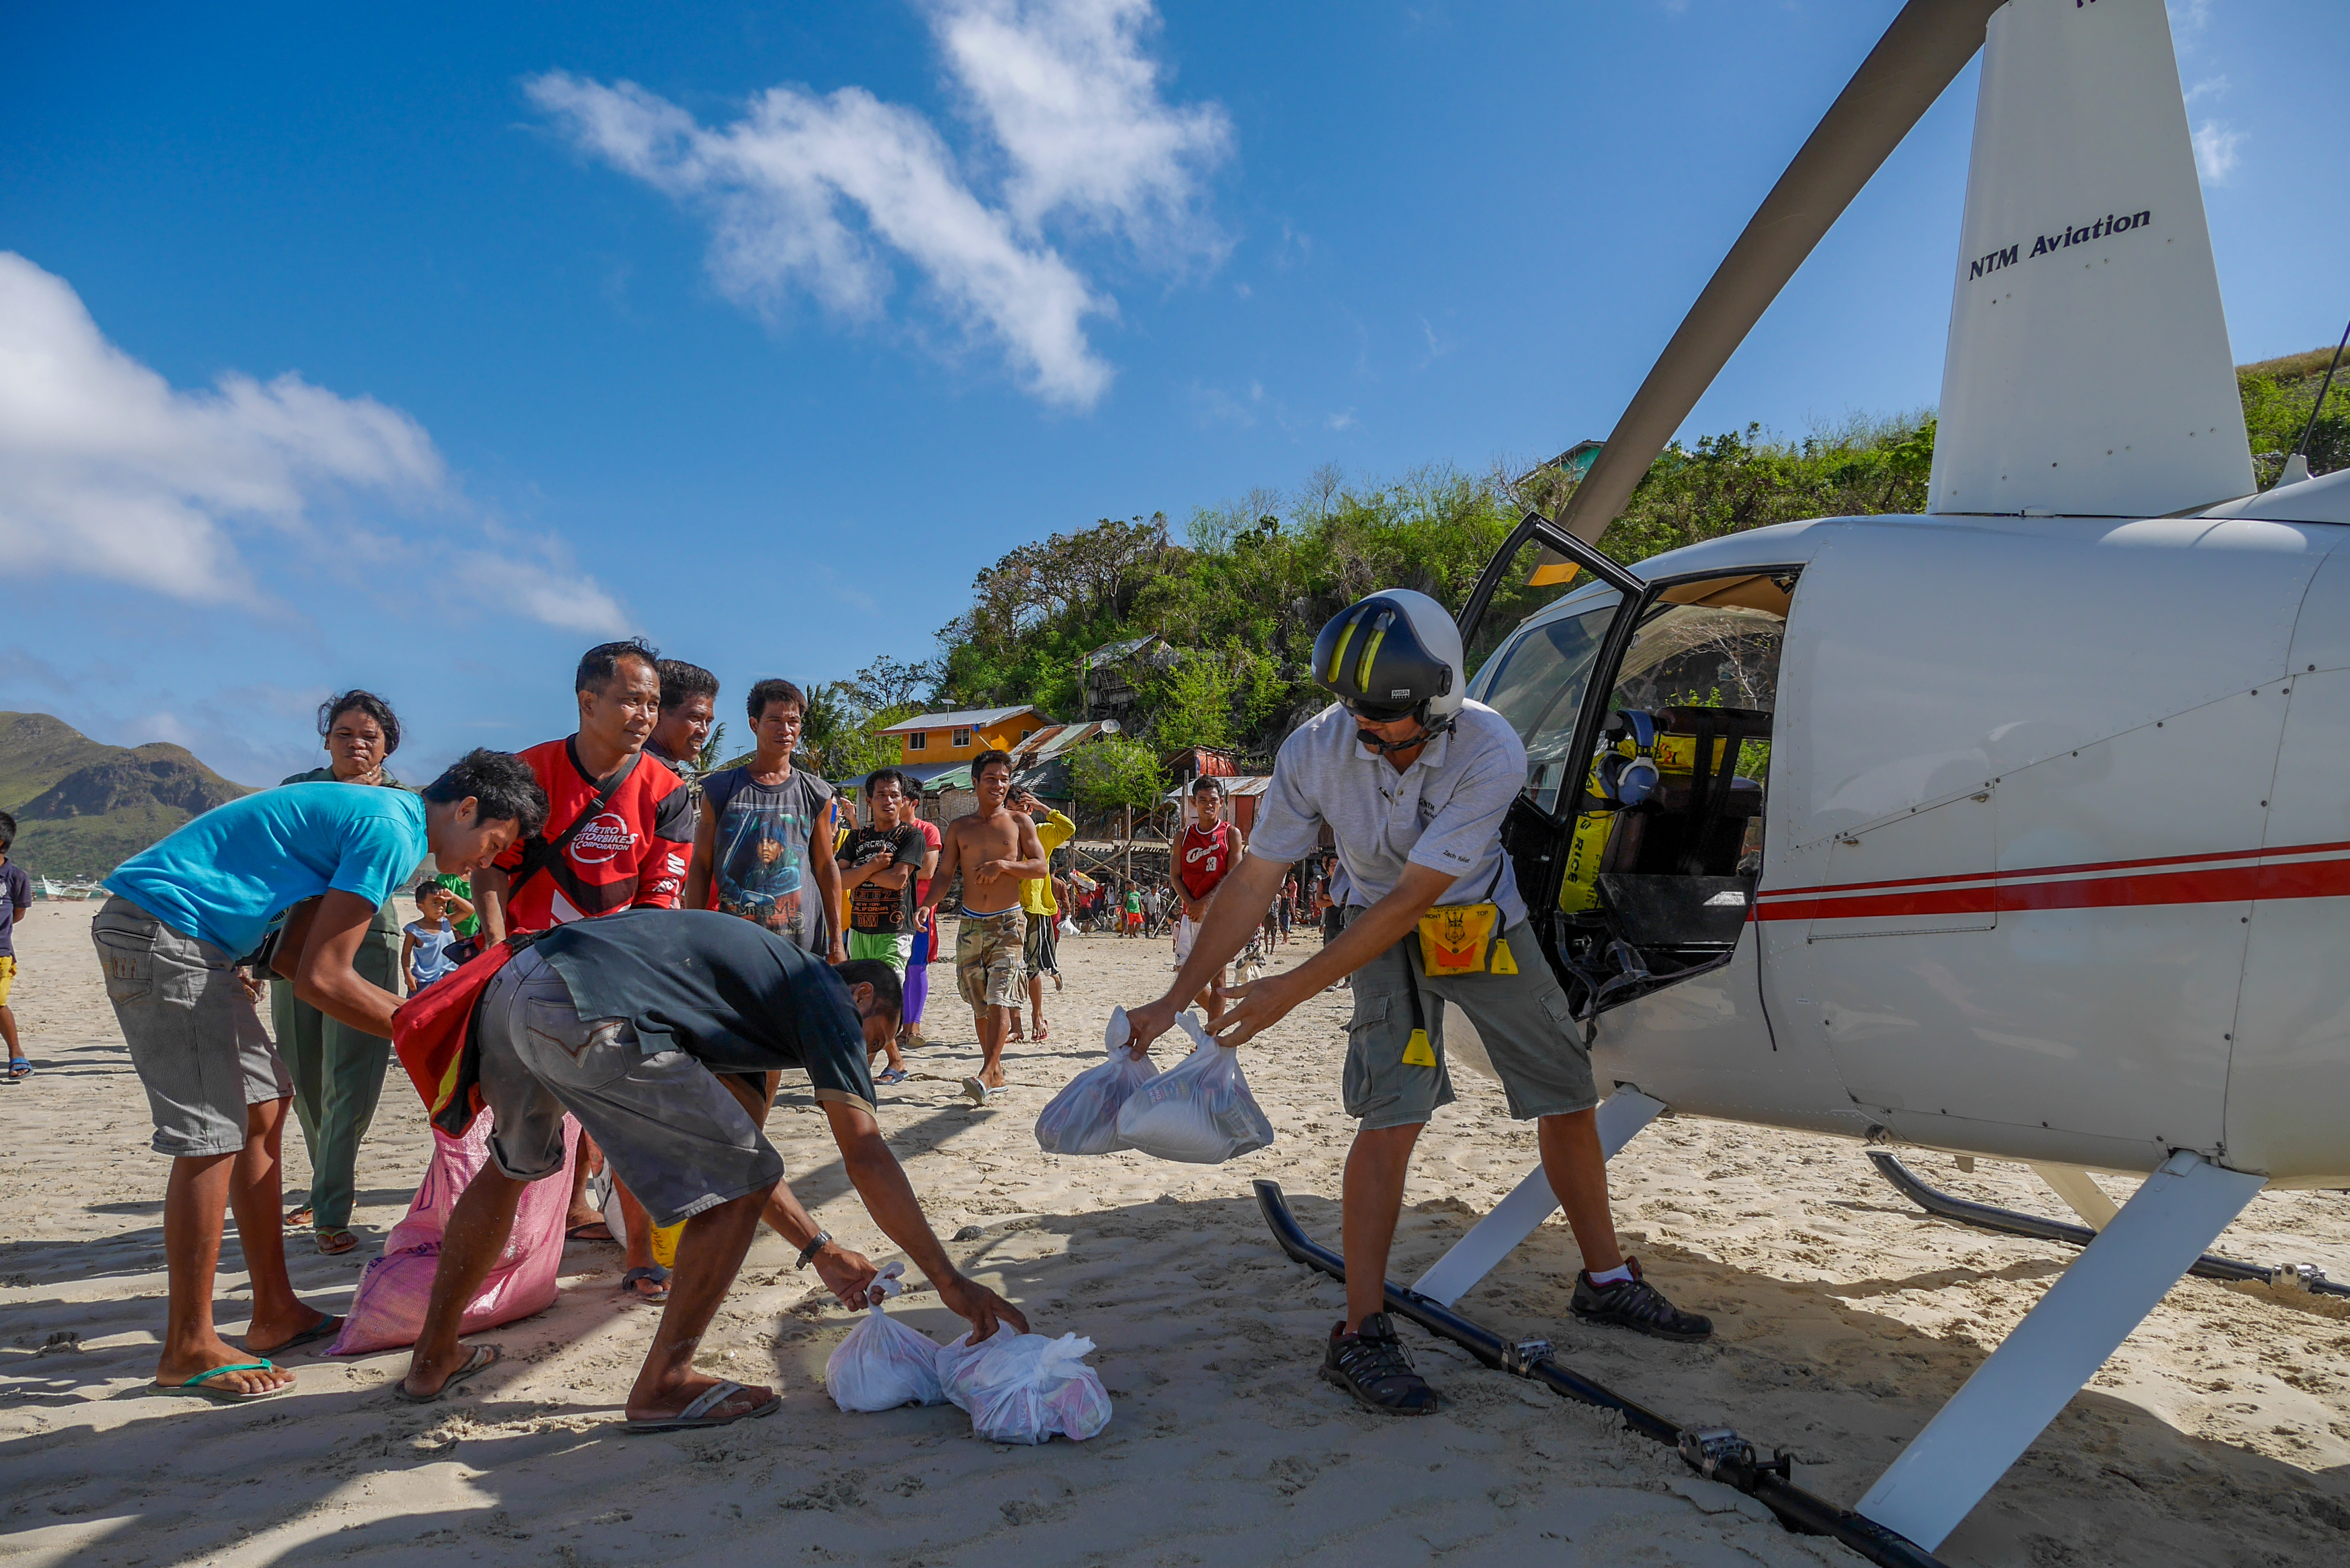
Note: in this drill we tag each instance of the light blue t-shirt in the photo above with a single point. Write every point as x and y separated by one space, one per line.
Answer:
228 875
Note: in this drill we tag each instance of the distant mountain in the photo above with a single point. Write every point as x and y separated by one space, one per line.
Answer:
82 808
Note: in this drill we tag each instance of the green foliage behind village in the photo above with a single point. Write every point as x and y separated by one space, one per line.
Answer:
1243 589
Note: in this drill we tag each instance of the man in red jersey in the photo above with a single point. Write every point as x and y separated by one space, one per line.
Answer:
618 835
1204 856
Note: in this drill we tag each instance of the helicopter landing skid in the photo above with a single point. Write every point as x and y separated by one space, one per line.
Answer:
2118 1279
1716 1453
2013 1223
1621 1116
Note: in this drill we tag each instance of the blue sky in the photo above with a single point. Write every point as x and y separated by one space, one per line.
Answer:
417 349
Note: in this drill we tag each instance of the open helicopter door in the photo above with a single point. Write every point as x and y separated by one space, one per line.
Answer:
1644 709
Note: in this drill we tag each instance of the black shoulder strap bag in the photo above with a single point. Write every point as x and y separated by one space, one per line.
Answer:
540 852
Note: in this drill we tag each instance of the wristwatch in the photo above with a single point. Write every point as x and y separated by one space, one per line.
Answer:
813 1248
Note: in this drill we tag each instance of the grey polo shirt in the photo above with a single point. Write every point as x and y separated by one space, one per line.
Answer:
1444 811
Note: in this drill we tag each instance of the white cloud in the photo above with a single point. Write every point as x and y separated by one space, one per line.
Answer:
1067 92
108 470
2218 149
828 194
2211 86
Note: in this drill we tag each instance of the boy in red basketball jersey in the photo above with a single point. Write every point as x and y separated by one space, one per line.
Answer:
618 836
1204 856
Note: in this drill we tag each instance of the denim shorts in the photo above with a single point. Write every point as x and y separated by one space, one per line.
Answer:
197 1038
1528 1029
677 1138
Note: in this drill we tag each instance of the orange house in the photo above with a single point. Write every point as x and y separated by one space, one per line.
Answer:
943 738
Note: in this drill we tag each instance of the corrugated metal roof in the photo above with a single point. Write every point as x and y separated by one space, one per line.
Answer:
1242 785
967 719
924 773
1111 652
1046 745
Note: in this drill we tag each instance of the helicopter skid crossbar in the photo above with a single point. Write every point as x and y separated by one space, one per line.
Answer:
1715 1453
2013 1222
2127 1268
1621 1116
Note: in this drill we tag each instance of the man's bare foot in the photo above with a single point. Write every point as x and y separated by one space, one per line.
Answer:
170 1372
429 1377
267 1336
671 1401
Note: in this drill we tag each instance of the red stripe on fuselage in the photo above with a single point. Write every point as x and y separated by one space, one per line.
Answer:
2110 884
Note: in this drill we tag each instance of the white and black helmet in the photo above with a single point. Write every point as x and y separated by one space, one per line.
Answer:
1391 656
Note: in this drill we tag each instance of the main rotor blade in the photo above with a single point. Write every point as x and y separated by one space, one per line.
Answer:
1927 45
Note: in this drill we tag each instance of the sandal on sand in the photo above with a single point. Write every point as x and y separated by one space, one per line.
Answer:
334 1243
698 1413
586 1231
1040 1030
482 1359
657 1274
894 1075
980 1093
300 1216
325 1328
202 1386
19 1069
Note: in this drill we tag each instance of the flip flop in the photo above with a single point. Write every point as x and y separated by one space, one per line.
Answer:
298 1216
580 1232
201 1387
980 1093
334 1243
655 1273
698 1413
483 1357
19 1069
325 1328
894 1075
1040 1030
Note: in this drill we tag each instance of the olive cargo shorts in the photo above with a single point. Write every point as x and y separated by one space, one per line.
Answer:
1528 1029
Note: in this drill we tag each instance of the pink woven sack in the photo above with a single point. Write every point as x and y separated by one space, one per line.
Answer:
388 1309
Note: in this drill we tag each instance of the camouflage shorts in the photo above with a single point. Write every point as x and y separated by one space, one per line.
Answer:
989 968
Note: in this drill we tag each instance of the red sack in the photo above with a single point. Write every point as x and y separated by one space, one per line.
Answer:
432 1035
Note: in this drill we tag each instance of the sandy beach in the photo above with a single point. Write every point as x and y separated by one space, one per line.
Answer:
2220 1433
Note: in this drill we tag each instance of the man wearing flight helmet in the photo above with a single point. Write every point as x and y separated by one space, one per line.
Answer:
1413 780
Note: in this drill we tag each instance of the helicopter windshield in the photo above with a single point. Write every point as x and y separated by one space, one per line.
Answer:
1538 685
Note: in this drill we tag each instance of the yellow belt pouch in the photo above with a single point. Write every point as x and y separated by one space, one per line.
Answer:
1459 938
1466 938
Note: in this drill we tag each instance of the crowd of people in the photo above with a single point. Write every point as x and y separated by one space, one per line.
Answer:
609 938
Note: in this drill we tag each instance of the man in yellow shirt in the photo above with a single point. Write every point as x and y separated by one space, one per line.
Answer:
1043 912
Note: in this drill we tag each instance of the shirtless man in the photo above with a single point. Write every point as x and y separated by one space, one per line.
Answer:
996 849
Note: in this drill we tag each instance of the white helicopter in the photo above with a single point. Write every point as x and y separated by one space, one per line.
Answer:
2051 858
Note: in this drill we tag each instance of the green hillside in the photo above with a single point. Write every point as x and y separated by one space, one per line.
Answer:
82 806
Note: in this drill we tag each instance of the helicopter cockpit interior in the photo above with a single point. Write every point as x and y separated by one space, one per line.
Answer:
1638 839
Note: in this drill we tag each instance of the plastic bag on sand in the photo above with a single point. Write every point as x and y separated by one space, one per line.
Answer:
388 1309
1025 1389
1200 1110
883 1364
1083 1118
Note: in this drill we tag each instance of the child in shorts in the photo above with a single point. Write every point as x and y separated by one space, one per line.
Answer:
425 955
15 903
